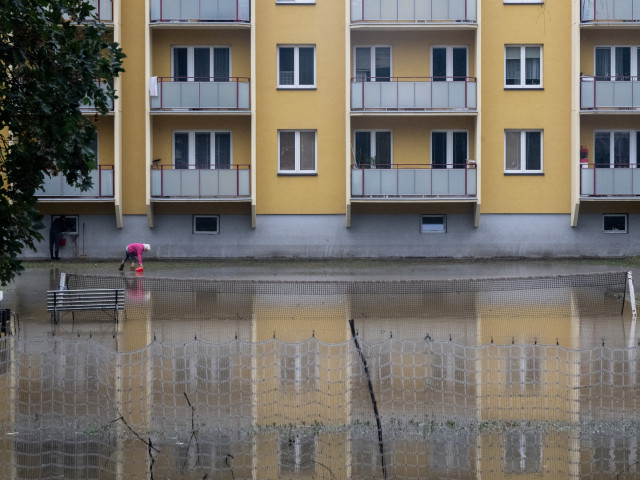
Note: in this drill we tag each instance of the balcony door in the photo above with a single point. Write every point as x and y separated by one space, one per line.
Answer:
616 149
373 149
373 64
201 64
618 64
449 149
201 150
449 64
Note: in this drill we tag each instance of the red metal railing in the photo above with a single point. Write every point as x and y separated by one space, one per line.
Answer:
64 190
634 101
598 170
241 90
236 188
416 80
466 16
589 10
201 18
396 170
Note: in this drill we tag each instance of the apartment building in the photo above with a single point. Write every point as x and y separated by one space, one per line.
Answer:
365 128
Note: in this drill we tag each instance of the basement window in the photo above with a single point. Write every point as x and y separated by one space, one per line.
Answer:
433 224
70 224
206 224
615 223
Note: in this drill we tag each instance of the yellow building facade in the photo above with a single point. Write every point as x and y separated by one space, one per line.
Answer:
424 128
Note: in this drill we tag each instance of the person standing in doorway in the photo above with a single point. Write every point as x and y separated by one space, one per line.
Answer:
134 250
58 226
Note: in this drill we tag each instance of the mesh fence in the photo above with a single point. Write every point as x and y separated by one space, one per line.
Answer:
272 409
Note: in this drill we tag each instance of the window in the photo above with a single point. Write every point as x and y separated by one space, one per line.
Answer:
522 452
373 149
617 63
296 67
201 149
616 149
207 224
449 64
70 224
523 151
523 66
373 64
449 149
201 64
614 223
433 224
297 151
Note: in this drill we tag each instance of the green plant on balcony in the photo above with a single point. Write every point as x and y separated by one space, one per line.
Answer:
365 162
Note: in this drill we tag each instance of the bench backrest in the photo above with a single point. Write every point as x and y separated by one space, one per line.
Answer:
87 299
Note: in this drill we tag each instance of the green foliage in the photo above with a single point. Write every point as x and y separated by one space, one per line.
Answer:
53 53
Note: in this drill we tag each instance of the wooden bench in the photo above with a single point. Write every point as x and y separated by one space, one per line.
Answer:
108 300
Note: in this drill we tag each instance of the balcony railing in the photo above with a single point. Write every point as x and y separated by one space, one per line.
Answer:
216 93
612 93
104 9
413 11
413 181
610 11
200 11
57 187
605 181
90 107
219 183
407 94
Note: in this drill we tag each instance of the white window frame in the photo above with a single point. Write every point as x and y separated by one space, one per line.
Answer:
613 231
523 71
449 53
523 152
633 67
191 60
430 231
192 148
296 68
633 147
297 170
372 53
449 134
195 231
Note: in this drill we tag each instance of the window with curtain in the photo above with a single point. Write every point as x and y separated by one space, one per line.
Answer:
373 148
201 64
449 149
449 64
201 149
296 66
616 149
373 64
297 151
523 151
523 66
620 64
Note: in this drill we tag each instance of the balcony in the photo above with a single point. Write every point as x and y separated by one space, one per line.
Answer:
228 93
164 11
413 11
220 183
413 182
610 11
57 188
90 106
413 95
604 181
104 10
612 93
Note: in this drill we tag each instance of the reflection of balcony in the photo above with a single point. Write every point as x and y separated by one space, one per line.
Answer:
200 11
220 183
613 93
227 93
408 94
56 186
413 181
610 11
621 181
413 11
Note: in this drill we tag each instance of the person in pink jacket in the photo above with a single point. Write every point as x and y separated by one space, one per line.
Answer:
134 250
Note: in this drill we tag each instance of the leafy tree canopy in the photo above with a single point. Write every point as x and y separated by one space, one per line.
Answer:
54 56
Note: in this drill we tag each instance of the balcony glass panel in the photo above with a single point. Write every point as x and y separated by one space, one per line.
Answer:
104 9
605 94
56 186
406 181
200 10
231 95
413 11
413 95
610 181
201 183
610 10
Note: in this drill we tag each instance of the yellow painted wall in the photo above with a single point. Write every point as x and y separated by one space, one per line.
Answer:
321 109
105 141
547 109
133 97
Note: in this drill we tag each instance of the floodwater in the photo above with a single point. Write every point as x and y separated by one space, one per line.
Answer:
250 370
